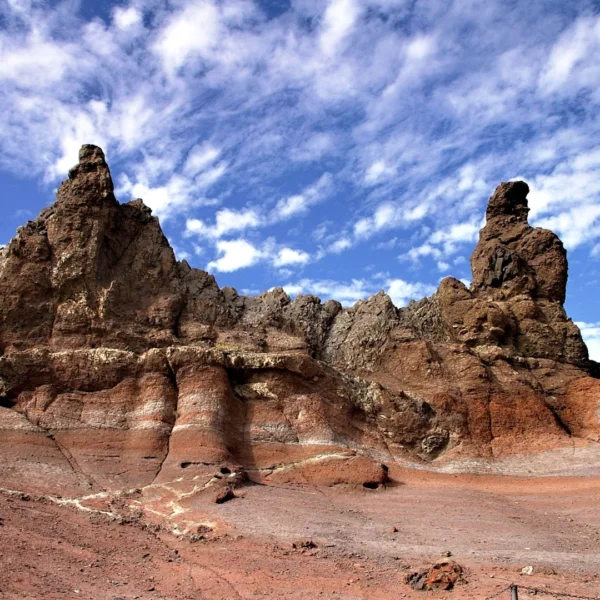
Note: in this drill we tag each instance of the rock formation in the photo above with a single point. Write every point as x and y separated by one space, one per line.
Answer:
123 368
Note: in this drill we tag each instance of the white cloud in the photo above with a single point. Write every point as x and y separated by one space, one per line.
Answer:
443 243
418 252
210 176
385 215
235 255
345 292
290 206
378 171
574 180
314 148
300 203
194 30
134 115
363 227
416 213
591 336
573 55
177 194
340 245
126 17
19 5
338 21
575 226
459 232
420 47
240 253
227 221
181 254
289 256
388 215
388 245
200 157
35 61
400 291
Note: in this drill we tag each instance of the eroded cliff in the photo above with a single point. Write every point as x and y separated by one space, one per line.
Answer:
123 368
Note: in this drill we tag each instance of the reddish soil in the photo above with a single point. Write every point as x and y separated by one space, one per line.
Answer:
493 526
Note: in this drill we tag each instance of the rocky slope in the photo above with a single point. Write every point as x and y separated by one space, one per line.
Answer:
123 368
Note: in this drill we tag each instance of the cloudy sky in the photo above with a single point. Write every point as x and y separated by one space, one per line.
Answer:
330 146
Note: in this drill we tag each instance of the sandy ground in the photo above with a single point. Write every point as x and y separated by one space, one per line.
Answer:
493 526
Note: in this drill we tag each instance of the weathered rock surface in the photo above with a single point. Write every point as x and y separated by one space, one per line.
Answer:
121 367
441 576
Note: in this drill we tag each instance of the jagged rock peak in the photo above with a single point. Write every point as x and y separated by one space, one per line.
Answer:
513 258
90 180
509 199
90 154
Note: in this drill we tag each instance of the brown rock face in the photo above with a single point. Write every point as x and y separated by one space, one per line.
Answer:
514 258
121 367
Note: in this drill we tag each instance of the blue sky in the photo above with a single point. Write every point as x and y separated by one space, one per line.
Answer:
336 147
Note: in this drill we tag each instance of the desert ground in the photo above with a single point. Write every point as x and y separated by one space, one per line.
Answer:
364 542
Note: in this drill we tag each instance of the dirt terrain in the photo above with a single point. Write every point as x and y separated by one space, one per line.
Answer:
366 542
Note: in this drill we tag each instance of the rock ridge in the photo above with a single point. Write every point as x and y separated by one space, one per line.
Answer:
133 364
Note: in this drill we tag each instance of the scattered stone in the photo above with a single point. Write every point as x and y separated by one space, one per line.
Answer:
195 538
225 496
304 545
442 576
204 529
527 570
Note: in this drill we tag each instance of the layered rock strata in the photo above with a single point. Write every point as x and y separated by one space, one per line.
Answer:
121 367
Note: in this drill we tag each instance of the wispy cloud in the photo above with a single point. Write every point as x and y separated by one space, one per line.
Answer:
300 203
228 220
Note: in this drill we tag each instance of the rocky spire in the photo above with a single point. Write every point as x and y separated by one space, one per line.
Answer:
89 181
509 200
514 258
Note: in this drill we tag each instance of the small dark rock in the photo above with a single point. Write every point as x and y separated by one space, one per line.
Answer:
225 496
304 545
